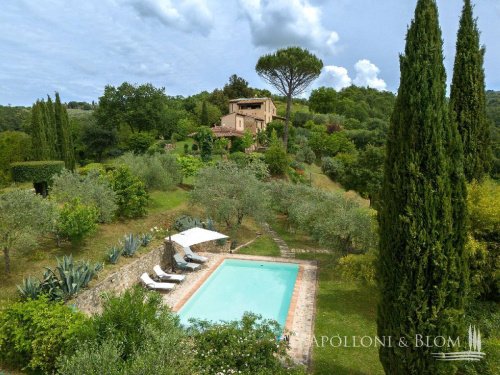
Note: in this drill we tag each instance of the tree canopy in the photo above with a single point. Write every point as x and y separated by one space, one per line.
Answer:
290 70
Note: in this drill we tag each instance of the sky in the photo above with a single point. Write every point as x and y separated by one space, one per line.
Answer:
76 47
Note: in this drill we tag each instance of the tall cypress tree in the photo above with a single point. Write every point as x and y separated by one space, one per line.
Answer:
39 138
51 128
64 147
204 114
468 97
421 268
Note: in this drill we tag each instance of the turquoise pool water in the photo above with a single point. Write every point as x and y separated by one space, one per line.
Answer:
237 286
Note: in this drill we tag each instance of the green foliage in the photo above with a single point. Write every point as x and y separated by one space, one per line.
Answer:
359 267
92 190
229 193
468 97
131 244
145 239
493 113
204 138
483 248
34 333
185 222
98 167
14 118
15 146
290 70
24 218
139 143
422 269
97 140
30 288
253 161
132 197
114 254
138 107
276 157
61 135
36 171
204 115
249 346
189 164
333 219
137 332
157 172
76 220
306 154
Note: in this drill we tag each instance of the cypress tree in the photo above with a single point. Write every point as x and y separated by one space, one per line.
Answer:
421 268
468 97
51 128
204 114
39 140
64 147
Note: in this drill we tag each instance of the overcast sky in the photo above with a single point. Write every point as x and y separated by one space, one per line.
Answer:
76 47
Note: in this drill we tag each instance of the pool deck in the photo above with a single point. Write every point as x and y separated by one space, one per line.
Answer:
300 319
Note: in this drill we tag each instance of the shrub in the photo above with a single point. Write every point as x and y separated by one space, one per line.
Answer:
130 245
157 171
64 282
229 194
76 220
146 239
185 222
358 267
137 332
14 147
24 218
132 197
249 346
253 161
38 172
34 333
190 165
91 167
139 143
306 154
114 254
92 189
276 157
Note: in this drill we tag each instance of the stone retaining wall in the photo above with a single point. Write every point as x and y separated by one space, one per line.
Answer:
90 301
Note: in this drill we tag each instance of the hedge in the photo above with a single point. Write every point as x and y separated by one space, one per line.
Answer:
36 171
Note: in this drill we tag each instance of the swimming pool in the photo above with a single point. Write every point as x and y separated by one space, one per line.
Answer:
237 286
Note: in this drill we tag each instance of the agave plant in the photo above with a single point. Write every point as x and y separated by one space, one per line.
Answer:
145 239
30 289
185 222
73 277
114 254
209 224
130 244
50 286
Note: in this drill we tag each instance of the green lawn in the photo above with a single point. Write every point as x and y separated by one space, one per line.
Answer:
343 308
164 207
264 245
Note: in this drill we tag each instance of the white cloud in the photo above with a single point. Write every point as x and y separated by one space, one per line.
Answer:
191 16
335 76
367 75
338 76
280 23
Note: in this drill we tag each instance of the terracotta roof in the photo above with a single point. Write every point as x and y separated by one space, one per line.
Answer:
224 131
279 117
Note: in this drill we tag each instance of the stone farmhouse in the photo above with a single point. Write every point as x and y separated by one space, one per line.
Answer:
246 114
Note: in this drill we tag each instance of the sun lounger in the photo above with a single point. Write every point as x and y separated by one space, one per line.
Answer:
167 276
150 283
193 256
183 265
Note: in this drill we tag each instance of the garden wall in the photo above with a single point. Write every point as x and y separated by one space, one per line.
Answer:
90 300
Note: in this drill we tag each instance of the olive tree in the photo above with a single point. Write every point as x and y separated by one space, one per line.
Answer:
229 193
290 70
24 217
